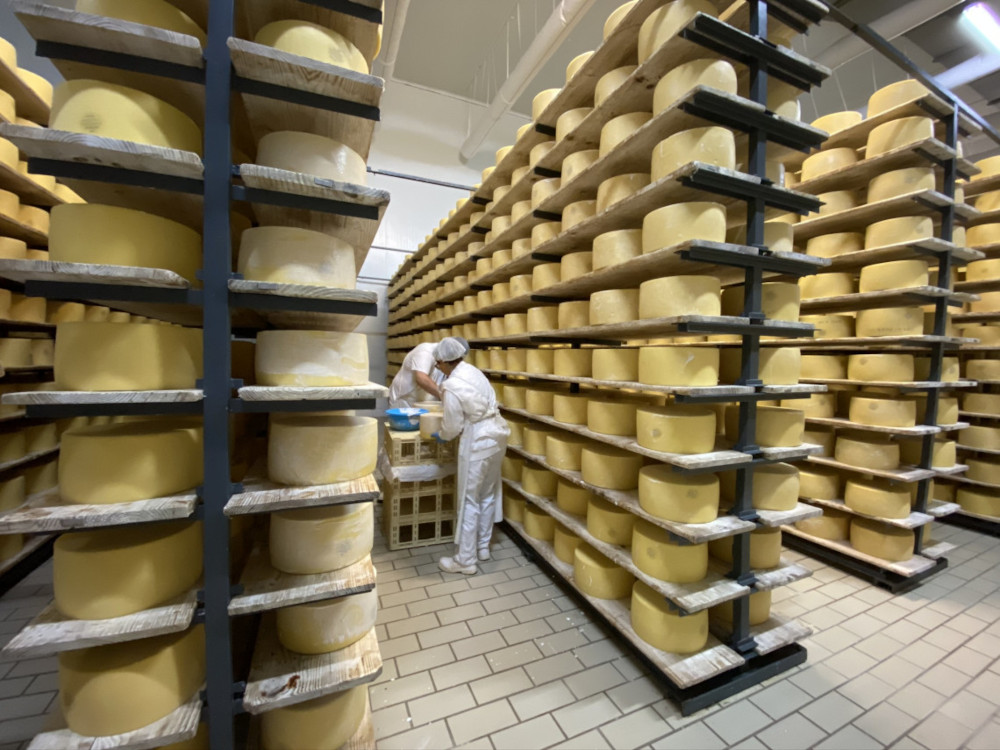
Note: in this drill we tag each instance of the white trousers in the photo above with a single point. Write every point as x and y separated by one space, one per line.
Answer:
483 491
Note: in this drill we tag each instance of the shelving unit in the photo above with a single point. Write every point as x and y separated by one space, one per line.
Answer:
277 91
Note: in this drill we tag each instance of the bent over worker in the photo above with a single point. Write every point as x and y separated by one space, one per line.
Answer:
470 411
415 380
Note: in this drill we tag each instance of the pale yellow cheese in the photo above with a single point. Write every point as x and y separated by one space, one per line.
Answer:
816 405
672 296
826 285
836 201
541 101
10 204
654 622
521 284
613 248
779 300
775 486
597 576
12 494
765 548
156 13
610 82
311 358
881 540
320 449
564 452
542 233
116 357
574 265
539 361
900 182
778 365
877 497
820 482
679 80
115 572
882 411
324 723
826 161
986 334
577 213
313 41
312 154
678 365
542 189
614 306
712 145
610 468
616 17
536 439
538 152
989 167
545 275
777 427
318 540
10 545
983 234
619 129
890 321
15 353
666 21
517 360
514 395
837 121
572 498
981 501
112 111
867 450
512 467
568 121
943 452
838 243
292 255
576 163
538 524
899 230
9 247
676 428
121 687
501 154
616 364
7 114
543 318
872 367
564 543
574 363
539 400
982 369
680 222
609 523
898 133
893 95
569 408
13 446
983 270
611 417
657 555
618 188
576 63
834 525
897 274
327 625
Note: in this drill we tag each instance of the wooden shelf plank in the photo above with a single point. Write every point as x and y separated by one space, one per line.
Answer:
912 521
917 203
908 568
770 635
871 342
784 574
973 449
266 588
51 632
904 385
774 518
293 393
717 390
46 512
57 398
50 453
29 191
178 726
298 319
279 677
26 101
10 227
260 495
919 295
902 474
979 415
940 509
23 271
978 287
846 424
975 317
937 550
929 246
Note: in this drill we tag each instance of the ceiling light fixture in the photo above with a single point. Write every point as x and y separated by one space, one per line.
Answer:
984 22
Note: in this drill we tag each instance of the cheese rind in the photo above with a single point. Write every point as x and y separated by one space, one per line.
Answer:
869 451
609 417
873 367
898 133
325 723
678 366
899 230
889 321
608 522
614 306
882 411
293 255
618 188
681 222
306 450
712 145
619 129
834 525
318 540
610 468
676 428
827 160
897 274
328 625
610 82
891 96
538 524
308 153
565 542
877 497
311 358
765 548
673 296
572 498
881 540
620 365
656 554
595 575
900 182
679 80
157 13
666 21
654 622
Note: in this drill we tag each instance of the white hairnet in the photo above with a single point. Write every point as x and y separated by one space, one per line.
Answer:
463 342
449 349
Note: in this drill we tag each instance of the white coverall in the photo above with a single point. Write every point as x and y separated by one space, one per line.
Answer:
404 391
470 410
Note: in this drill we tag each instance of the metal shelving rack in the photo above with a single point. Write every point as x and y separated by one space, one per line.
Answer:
225 304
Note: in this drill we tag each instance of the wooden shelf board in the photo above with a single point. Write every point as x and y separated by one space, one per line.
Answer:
691 597
841 423
917 203
699 533
947 471
265 588
981 184
902 474
973 482
262 496
773 578
940 509
986 217
912 521
903 251
50 453
46 512
718 390
279 677
979 415
293 393
908 568
258 62
56 398
871 342
10 227
51 632
975 317
790 453
973 449
770 635
22 271
26 101
684 670
29 191
937 550
978 287
519 191
772 519
177 726
918 295
906 385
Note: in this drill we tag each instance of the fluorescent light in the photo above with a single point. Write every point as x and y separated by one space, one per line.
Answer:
984 22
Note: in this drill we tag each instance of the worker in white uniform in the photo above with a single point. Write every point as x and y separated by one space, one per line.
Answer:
415 380
470 411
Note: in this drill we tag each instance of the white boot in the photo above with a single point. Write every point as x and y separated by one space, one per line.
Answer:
448 565
484 554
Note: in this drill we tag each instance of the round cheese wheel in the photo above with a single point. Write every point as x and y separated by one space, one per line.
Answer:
986 334
824 367
521 285
869 451
569 408
611 417
573 363
877 497
569 120
12 493
15 353
610 82
512 467
613 248
676 428
539 151
311 358
709 145
614 306
517 360
596 576
983 270
328 625
673 296
820 482
982 369
575 265
543 318
895 94
990 166
311 154
292 255
897 274
873 367
318 540
576 163
760 609
564 452
681 222
542 233
779 301
9 247
576 63
654 622
111 111
320 449
832 245
826 285
574 314
608 522
539 361
539 400
324 723
823 405
983 234
610 468
157 13
619 365
666 21
313 41
898 133
943 453
657 555
900 182
837 121
121 687
616 17
572 498
514 508
541 101
881 540
679 80
826 161
577 213
777 427
889 321
542 189
882 411
535 439
618 188
514 396
564 543
778 365
109 573
836 201
619 129
765 548
538 524
981 501
897 231
678 365
834 525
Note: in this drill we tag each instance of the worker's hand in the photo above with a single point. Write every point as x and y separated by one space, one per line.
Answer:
438 437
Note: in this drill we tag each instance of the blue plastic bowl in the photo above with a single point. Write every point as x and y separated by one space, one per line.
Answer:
405 420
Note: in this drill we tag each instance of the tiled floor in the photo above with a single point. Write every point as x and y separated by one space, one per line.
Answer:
505 660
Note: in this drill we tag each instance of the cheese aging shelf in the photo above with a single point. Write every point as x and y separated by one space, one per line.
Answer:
228 310
545 270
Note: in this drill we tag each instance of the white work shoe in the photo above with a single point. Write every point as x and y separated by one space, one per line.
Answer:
484 555
448 565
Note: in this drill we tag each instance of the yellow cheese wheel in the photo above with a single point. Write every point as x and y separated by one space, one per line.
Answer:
311 358
834 525
943 453
576 63
115 572
672 296
501 154
15 353
889 321
325 723
616 17
816 405
292 255
776 427
12 494
577 213
541 101
883 411
681 222
572 498
10 204
520 285
657 555
10 545
765 548
882 541
986 334
542 189
317 540
981 501
676 428
832 245
574 314
898 133
575 265
678 365
778 365
539 400
13 446
538 524
157 13
34 218
572 363
576 163
609 523
654 622
118 688
564 543
619 129
596 576
313 41
776 486
621 365
116 357
568 121
983 270
539 151
320 449
7 114
500 225
893 95
611 417
820 482
569 408
897 274
867 450
836 201
983 234
837 121
709 145
610 82
539 361
990 166
897 231
514 507
872 367
877 497
512 467
564 452
826 161
9 247
542 233
328 625
666 21
613 248
514 395
900 182
679 80
824 367
760 609
982 369
614 306
112 111
543 318
535 439
311 154
618 188
779 300
610 468
826 285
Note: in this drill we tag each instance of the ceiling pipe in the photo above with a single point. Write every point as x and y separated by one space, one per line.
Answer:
905 18
388 59
558 26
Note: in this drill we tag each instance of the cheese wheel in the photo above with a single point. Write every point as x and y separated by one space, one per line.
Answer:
981 501
820 482
320 449
988 302
7 114
676 428
982 369
514 396
778 365
564 543
611 417
572 498
542 319
542 233
121 687
673 296
779 301
895 94
12 495
616 17
292 255
679 80
313 41
619 129
708 145
666 21
826 285
836 201
109 573
943 454
129 461
569 120
678 365
897 274
156 13
777 427
521 285
610 468
573 363
657 555
328 625
569 408
898 133
765 548
760 609
681 222
900 182
539 361
318 540
596 576
536 439
889 321
834 525
311 358
499 225
311 154
576 63
501 154
869 451
826 161
577 213
514 507
775 486
879 410
610 82
877 497
564 452
824 367
822 405
575 265
574 314
620 365
501 292
898 231
541 101
986 334
15 353
325 723
47 182
989 167
10 204
13 446
614 306
512 467
542 189
517 360
618 188
609 523
116 357
654 622
832 245
882 541
983 270
34 218
9 247
576 163
539 400
539 151
837 121
112 111
538 524
872 367
613 248
429 424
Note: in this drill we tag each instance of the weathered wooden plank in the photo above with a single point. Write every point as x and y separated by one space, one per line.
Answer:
295 393
260 495
30 192
30 545
907 568
11 227
846 424
46 511
775 518
917 203
912 521
27 102
51 453
918 295
54 398
903 251
902 474
784 574
90 273
717 390
770 635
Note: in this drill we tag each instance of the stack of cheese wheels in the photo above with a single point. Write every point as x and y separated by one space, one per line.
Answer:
320 449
